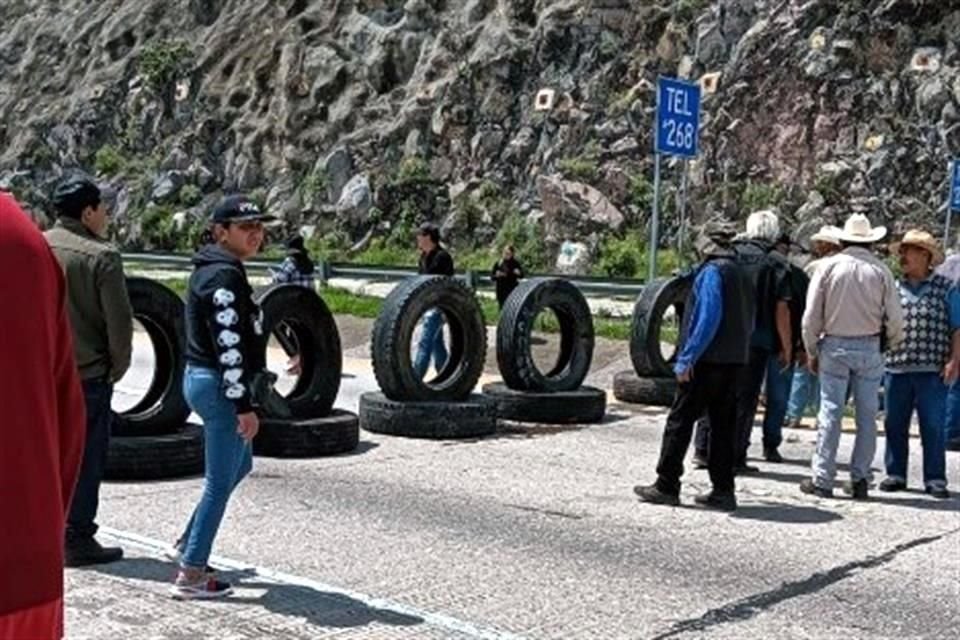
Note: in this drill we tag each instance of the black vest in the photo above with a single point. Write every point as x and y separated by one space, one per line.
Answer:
731 345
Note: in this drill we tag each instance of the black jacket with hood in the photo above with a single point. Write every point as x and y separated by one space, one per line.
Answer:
224 324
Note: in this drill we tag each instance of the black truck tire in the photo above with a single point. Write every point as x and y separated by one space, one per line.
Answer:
163 409
302 322
658 392
514 355
585 405
648 313
336 433
174 455
393 332
471 418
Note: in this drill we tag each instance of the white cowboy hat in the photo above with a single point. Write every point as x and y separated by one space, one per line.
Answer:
858 230
924 240
828 233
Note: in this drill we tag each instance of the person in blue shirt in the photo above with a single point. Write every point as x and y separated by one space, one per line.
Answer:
919 370
715 347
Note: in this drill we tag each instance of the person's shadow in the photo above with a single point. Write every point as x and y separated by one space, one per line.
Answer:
786 513
319 608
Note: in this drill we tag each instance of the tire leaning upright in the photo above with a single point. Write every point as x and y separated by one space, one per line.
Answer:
648 314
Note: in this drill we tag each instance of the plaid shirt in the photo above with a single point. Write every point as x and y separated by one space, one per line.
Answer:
289 274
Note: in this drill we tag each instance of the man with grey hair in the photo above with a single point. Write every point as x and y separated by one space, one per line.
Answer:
771 336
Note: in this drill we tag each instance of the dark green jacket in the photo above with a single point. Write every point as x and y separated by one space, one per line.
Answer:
97 301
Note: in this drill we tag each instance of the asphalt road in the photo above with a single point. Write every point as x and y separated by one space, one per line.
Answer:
532 533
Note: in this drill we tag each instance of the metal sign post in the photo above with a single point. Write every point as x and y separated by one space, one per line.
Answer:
677 133
954 202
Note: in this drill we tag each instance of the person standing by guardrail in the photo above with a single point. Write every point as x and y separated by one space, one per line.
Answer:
852 307
434 260
223 326
297 268
102 321
921 368
718 318
43 429
506 274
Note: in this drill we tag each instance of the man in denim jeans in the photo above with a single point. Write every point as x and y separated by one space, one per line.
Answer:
434 260
852 300
920 370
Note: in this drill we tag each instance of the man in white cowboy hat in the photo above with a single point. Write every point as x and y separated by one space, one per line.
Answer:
805 387
851 304
919 370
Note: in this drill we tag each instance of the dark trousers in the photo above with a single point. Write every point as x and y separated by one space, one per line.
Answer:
711 393
86 497
747 393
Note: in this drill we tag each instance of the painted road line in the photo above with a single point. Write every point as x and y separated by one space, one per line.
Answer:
449 623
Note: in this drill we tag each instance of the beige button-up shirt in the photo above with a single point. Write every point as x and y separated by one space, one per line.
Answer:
852 294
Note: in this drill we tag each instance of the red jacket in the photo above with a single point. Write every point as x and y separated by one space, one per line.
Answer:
43 425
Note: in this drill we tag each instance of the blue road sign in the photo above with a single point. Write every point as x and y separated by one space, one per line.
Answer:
678 118
955 185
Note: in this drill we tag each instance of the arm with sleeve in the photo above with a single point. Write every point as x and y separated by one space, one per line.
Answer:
230 323
813 315
117 312
705 318
892 310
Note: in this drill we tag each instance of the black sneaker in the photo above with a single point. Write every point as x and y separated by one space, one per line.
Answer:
744 468
719 501
84 552
953 444
940 493
700 460
770 454
655 496
807 486
206 587
858 489
892 484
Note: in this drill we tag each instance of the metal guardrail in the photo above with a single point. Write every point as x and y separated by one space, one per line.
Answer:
620 287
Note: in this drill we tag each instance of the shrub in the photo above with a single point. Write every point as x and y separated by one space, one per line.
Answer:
108 161
190 195
412 170
582 168
163 62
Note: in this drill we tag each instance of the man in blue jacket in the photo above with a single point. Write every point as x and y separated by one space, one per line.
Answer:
717 324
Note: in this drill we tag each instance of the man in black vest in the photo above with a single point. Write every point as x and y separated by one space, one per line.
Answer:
717 324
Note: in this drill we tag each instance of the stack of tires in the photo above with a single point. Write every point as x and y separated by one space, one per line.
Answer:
528 394
652 381
443 406
152 440
305 423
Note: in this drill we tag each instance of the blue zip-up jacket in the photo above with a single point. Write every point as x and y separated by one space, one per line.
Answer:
705 319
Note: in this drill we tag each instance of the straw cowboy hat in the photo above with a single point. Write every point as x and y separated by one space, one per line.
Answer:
921 240
858 230
828 233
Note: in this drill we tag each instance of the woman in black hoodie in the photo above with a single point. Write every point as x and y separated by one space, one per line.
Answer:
223 324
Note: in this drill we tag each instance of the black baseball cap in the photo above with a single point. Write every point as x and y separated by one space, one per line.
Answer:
239 209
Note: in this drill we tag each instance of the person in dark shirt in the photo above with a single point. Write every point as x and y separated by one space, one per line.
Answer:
506 273
434 260
713 354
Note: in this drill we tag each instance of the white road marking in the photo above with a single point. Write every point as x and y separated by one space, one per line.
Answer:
157 547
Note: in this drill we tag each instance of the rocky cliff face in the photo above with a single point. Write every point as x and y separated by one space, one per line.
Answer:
355 119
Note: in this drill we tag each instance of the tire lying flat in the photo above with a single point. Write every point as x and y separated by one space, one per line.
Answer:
648 316
336 433
514 354
297 312
658 392
162 409
393 330
585 405
175 455
471 418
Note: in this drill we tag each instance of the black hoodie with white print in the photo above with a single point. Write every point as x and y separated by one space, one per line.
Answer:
224 324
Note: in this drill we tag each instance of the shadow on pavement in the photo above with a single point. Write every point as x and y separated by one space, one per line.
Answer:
319 608
787 513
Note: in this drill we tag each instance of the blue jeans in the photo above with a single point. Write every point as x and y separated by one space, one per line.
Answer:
778 395
926 393
804 392
857 364
953 412
430 344
86 496
227 456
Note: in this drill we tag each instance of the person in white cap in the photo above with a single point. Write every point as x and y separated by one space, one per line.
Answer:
805 388
919 371
852 305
